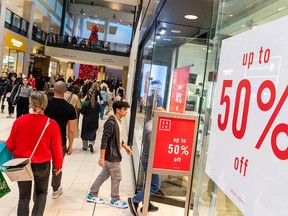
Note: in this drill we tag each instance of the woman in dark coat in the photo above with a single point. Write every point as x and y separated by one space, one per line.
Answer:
90 111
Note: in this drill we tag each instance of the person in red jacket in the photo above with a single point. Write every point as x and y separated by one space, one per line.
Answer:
23 137
32 81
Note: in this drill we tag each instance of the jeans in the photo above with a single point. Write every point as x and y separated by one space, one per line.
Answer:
56 180
155 186
102 109
41 178
112 169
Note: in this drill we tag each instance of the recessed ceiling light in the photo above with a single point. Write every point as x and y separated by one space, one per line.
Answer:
162 31
95 15
281 8
167 39
191 17
7 1
230 15
175 31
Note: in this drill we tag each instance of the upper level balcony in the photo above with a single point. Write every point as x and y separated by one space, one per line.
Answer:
85 44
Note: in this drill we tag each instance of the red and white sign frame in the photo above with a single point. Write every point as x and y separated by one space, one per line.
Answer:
176 143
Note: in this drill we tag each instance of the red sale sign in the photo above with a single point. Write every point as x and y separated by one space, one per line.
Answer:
174 144
179 89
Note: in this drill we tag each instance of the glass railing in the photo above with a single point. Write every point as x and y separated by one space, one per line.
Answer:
88 45
39 35
16 23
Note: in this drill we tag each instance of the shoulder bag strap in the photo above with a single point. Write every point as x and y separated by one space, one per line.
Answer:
46 125
70 97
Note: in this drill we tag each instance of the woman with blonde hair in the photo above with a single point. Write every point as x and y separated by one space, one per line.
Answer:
23 137
90 111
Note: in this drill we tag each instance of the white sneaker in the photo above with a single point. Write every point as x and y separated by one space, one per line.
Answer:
56 194
119 204
97 200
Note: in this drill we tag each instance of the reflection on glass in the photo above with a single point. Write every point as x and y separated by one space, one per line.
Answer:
24 26
16 21
8 15
15 60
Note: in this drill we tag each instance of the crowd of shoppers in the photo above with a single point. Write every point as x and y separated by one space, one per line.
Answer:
62 103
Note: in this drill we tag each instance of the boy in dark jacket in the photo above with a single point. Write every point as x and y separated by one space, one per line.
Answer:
110 157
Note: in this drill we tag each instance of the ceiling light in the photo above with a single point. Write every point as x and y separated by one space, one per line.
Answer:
7 1
95 15
120 20
191 17
175 31
162 31
281 8
167 39
231 15
158 37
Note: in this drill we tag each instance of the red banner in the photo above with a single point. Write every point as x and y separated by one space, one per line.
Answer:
173 144
179 89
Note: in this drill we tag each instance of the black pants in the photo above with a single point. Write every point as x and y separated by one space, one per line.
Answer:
41 178
10 107
56 180
22 106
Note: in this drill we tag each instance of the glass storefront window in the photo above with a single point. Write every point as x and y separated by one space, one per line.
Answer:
13 60
233 18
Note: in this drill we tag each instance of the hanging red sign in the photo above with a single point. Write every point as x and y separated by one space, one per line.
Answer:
179 89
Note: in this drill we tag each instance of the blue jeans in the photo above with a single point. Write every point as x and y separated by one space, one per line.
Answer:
41 178
102 109
155 186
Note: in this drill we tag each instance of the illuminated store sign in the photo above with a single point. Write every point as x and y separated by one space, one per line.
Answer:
15 42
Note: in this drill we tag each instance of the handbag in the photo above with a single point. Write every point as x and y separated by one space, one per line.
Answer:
16 98
4 188
19 169
5 155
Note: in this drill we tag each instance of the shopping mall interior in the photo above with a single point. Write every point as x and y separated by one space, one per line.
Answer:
166 53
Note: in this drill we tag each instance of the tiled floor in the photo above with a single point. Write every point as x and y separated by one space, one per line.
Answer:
79 171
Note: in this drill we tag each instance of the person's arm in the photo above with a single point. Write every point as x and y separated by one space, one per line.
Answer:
101 161
56 148
71 133
127 149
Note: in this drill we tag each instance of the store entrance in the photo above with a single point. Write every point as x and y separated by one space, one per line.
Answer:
14 61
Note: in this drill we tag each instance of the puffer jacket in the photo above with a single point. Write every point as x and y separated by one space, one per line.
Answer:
4 84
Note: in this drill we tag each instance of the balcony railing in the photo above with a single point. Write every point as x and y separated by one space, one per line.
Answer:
16 23
85 44
39 35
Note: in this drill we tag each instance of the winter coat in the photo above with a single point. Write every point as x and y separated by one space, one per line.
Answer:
90 120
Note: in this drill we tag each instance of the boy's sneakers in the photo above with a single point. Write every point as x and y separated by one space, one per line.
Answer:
97 200
133 207
56 194
91 148
118 204
151 208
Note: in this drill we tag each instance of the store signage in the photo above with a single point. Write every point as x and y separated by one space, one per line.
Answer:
179 89
173 143
15 42
248 148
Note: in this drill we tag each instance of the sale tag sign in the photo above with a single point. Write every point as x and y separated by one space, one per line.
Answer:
173 143
248 149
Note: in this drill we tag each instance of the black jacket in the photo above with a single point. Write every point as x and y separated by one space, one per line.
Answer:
4 85
110 140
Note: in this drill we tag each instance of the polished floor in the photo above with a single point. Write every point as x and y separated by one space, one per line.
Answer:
79 171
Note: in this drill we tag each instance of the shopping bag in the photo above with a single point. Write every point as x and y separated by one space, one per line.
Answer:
4 188
19 169
5 155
